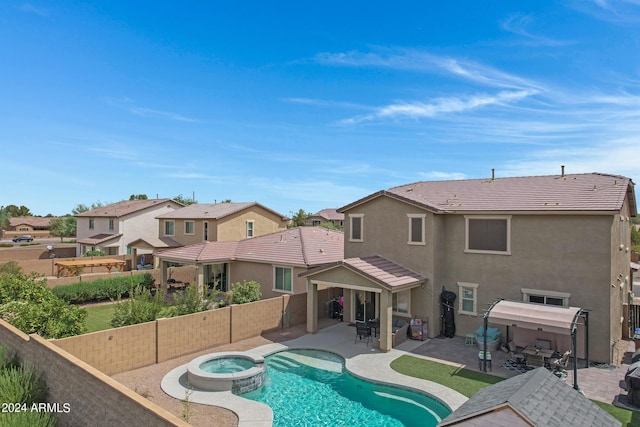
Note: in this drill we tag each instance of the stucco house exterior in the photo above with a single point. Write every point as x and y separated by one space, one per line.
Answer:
32 225
560 239
274 260
326 215
112 227
220 222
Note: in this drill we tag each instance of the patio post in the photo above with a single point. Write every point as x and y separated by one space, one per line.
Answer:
312 307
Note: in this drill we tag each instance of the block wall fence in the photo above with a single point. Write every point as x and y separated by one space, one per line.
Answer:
78 369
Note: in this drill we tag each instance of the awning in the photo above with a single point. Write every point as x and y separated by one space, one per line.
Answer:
541 317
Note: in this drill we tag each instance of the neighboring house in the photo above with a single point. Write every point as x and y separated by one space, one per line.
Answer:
327 215
535 398
111 228
561 240
273 260
220 222
32 225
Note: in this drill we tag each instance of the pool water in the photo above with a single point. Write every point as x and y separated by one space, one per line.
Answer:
311 388
227 365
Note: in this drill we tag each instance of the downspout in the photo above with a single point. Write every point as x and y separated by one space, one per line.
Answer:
484 339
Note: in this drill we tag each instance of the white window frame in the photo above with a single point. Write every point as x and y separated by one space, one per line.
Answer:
507 218
205 231
361 217
564 296
111 224
411 217
173 226
193 228
275 275
394 302
250 228
462 286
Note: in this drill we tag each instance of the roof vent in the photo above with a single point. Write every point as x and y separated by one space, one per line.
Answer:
562 171
493 174
409 190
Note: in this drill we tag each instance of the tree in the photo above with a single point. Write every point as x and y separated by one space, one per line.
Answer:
300 218
84 208
15 211
245 292
138 197
185 200
64 226
94 252
330 225
635 239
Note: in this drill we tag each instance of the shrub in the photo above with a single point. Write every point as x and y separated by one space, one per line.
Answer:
139 308
245 292
29 306
10 267
189 300
102 289
94 252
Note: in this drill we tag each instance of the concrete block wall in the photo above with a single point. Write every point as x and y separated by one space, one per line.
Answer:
114 350
194 332
251 319
91 397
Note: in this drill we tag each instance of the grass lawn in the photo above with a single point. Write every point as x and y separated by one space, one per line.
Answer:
468 382
99 317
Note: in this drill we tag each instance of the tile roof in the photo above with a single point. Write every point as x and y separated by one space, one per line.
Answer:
158 242
213 210
124 207
98 238
376 268
540 397
306 246
577 192
330 214
33 221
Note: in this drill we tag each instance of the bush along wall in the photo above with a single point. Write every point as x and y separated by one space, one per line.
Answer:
102 289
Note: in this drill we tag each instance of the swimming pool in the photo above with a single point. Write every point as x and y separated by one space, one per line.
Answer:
311 388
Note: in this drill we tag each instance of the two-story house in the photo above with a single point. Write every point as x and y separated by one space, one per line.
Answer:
112 227
220 222
561 240
327 215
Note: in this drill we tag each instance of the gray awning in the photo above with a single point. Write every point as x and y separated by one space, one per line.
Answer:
548 318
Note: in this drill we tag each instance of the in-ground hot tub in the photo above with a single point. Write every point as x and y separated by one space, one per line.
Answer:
226 371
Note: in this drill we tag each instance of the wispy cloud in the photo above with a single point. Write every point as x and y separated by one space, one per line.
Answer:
418 110
519 23
29 8
128 104
613 11
425 62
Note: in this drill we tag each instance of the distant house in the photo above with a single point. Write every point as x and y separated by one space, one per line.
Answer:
326 215
33 225
560 240
274 260
112 227
535 398
219 222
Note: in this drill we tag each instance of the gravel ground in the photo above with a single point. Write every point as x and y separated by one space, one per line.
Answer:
146 381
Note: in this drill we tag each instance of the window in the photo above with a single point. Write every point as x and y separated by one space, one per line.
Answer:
249 229
546 297
468 302
355 224
111 224
488 235
315 222
401 302
169 228
91 224
282 280
206 231
416 229
189 227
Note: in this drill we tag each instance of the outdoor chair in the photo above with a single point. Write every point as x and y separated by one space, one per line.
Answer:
516 354
363 331
560 365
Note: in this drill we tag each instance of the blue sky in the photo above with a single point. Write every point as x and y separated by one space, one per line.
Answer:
308 104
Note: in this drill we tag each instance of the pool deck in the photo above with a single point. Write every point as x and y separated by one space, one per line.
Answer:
361 359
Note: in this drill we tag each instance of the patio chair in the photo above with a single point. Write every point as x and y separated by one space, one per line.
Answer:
560 365
363 331
516 354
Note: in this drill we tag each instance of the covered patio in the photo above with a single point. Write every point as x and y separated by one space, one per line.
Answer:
533 323
370 281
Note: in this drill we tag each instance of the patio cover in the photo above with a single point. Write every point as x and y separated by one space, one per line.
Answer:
548 318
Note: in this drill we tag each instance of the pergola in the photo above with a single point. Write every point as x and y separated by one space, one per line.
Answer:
73 267
541 317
